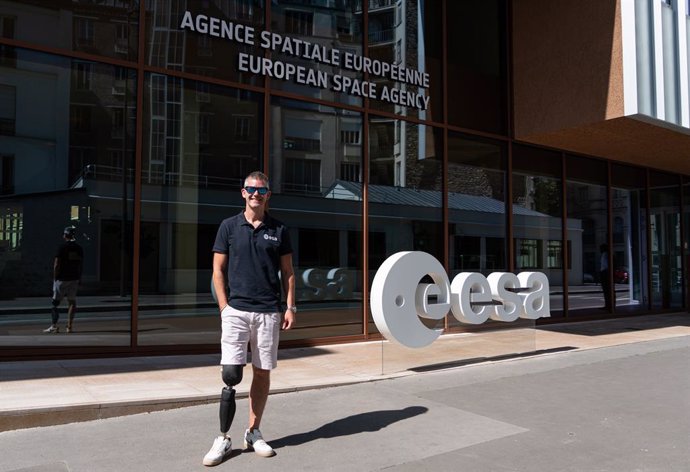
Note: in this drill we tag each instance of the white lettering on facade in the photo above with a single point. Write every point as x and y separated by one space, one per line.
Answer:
281 70
398 300
218 27
317 53
299 48
359 63
353 86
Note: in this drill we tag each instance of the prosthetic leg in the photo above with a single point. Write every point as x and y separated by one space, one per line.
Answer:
232 375
222 446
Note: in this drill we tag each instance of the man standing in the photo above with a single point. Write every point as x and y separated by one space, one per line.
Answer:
67 268
250 250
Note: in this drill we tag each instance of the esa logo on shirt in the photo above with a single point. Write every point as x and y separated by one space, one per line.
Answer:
272 238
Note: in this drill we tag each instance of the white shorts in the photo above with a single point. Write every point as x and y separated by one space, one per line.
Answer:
65 289
239 328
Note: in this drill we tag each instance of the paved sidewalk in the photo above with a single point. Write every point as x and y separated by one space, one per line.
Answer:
39 393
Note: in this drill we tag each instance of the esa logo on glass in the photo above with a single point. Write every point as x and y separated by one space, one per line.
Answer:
398 300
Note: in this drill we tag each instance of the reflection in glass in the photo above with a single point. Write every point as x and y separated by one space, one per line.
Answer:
316 178
628 202
476 183
338 28
67 159
409 35
589 275
686 238
477 65
537 217
199 47
107 27
476 206
200 142
405 191
664 226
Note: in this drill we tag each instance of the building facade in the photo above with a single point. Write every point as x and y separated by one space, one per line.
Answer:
497 136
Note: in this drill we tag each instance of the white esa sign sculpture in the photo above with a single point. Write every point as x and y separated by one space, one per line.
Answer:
398 299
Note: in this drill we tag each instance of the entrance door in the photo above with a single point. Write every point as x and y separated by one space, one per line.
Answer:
665 241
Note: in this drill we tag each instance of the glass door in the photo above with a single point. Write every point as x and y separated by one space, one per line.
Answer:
665 241
629 220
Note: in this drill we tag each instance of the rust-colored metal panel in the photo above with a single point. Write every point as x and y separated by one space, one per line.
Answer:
567 64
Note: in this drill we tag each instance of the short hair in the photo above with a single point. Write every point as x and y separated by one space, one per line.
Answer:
258 175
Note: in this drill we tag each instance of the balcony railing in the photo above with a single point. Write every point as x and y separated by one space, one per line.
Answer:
383 36
376 4
154 177
303 189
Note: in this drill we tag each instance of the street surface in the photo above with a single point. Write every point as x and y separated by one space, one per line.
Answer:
622 408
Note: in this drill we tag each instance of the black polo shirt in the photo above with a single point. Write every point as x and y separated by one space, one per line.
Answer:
253 262
70 258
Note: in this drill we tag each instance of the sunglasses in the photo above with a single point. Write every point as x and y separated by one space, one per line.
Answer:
262 190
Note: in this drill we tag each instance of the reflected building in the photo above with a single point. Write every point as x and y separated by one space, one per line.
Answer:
116 119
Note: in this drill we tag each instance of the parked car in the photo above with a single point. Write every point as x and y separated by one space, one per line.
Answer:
621 275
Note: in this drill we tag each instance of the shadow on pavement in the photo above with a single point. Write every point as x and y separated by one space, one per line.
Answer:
620 325
363 422
478 360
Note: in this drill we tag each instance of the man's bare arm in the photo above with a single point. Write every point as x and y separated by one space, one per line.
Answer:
220 282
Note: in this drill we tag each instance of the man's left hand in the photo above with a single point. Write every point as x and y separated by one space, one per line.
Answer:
288 320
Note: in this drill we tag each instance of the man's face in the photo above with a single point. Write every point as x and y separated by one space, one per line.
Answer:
255 199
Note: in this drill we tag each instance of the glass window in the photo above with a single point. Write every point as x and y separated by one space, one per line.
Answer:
589 274
406 180
7 26
318 196
243 127
476 182
303 135
537 216
664 226
106 27
407 35
686 238
7 176
57 170
554 258
477 65
192 172
299 22
205 37
85 35
628 202
476 206
82 75
302 175
528 253
8 109
319 40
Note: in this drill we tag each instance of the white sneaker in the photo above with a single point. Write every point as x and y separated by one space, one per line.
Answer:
68 329
222 446
254 440
51 329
